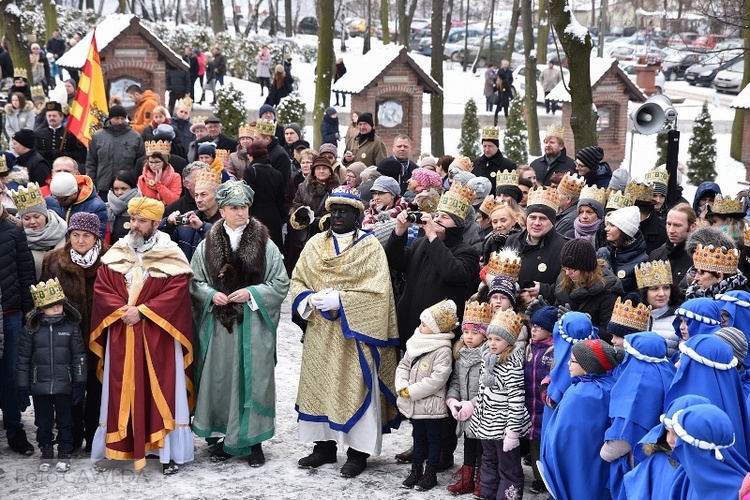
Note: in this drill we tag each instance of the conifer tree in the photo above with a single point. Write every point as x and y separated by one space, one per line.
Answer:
291 109
661 149
470 134
702 149
515 141
230 109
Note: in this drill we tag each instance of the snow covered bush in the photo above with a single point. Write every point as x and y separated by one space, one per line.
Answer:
470 134
702 149
230 109
308 53
292 109
515 141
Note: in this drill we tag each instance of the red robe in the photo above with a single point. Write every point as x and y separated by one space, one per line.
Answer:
142 364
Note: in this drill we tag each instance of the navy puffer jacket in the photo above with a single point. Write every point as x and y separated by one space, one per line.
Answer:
17 272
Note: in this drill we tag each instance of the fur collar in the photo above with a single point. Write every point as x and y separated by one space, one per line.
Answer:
163 261
67 264
231 271
19 174
316 189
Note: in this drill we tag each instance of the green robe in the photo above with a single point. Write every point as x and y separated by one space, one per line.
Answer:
236 388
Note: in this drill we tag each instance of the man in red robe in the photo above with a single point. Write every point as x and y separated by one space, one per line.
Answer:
143 335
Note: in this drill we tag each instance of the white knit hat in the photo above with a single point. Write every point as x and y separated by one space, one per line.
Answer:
63 184
627 220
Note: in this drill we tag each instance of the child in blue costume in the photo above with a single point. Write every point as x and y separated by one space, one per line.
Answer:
736 310
657 471
738 342
635 403
570 462
714 468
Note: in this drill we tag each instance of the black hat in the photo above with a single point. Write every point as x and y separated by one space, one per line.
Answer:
367 118
129 177
117 111
53 106
207 148
390 167
211 119
591 156
25 137
579 254
512 191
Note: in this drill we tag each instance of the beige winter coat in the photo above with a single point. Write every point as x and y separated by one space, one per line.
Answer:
426 377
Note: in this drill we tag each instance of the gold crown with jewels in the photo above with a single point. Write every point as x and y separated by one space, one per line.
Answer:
507 178
210 177
477 313
657 175
626 314
266 127
556 131
618 200
572 184
641 191
543 196
223 155
594 193
246 131
3 165
163 147
718 260
19 73
457 200
489 204
657 272
27 197
198 119
47 293
508 321
506 261
37 91
728 205
444 314
490 133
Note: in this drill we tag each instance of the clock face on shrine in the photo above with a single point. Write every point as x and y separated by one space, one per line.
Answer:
390 114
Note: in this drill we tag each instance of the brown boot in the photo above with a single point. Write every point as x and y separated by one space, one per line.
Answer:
465 483
405 456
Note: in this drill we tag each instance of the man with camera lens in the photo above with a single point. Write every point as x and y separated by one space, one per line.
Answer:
188 229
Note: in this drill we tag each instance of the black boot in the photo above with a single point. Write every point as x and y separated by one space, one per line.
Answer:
446 461
48 454
356 462
428 479
324 452
405 456
20 444
218 454
414 476
256 457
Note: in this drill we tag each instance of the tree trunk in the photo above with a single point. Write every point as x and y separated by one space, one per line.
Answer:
288 15
17 46
543 31
583 117
490 55
90 4
448 24
368 29
513 29
123 7
323 71
339 17
437 146
404 32
532 121
384 22
274 19
735 148
481 46
50 17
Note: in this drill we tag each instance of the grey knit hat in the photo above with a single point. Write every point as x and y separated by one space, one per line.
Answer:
619 180
708 236
595 356
736 339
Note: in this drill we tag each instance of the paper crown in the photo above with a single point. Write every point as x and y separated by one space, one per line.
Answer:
198 119
727 205
618 200
657 272
444 314
640 191
657 175
246 131
204 176
223 155
47 294
543 196
37 91
3 165
490 133
635 317
508 321
507 178
594 193
556 131
489 204
186 102
19 73
27 197
457 200
572 185
265 127
718 260
463 162
477 313
163 147
506 261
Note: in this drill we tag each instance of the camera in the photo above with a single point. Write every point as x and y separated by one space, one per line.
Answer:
182 220
414 217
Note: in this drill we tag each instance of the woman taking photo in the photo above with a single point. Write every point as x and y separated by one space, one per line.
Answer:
159 181
124 188
656 289
626 247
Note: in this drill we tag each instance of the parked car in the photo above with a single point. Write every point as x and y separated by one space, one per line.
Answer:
676 63
519 81
730 79
280 23
417 37
309 26
703 73
358 27
682 39
709 41
635 52
499 45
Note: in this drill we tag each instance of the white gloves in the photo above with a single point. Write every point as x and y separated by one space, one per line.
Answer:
325 300
511 441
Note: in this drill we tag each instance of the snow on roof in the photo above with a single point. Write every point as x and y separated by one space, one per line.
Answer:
363 70
742 101
599 66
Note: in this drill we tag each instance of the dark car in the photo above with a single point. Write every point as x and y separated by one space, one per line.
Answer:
280 23
703 73
309 26
676 63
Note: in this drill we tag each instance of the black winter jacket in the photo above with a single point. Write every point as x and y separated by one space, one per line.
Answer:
329 130
489 167
597 301
51 355
678 258
540 262
279 159
545 169
39 169
622 261
654 232
17 272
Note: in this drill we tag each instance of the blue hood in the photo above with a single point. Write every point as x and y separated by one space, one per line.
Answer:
702 189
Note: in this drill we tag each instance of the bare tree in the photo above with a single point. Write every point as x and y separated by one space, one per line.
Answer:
437 146
253 23
50 17
273 17
368 28
288 17
543 31
11 29
532 121
384 22
339 16
448 25
326 62
405 17
512 32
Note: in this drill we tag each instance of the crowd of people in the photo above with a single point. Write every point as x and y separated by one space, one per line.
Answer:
557 313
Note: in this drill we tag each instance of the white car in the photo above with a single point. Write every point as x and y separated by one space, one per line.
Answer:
730 79
519 81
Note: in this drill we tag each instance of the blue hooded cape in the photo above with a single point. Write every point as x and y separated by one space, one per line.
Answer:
569 330
721 385
709 474
737 304
702 315
570 461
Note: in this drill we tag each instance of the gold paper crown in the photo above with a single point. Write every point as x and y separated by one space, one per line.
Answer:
657 272
47 294
3 165
211 177
658 175
490 133
186 102
728 205
618 199
508 321
718 260
635 317
444 314
457 200
572 185
265 127
19 72
28 197
246 131
223 155
543 196
198 119
506 261
37 91
556 131
641 191
507 178
152 147
594 193
490 204
477 313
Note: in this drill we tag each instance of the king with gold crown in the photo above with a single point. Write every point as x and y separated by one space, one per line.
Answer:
492 162
555 159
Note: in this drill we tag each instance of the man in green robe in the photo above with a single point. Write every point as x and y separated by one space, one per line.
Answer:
237 289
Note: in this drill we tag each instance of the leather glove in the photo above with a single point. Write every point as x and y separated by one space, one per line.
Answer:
563 310
467 408
24 401
453 406
79 390
511 441
325 300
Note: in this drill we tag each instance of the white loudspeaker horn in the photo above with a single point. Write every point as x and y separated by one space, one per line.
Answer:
650 117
